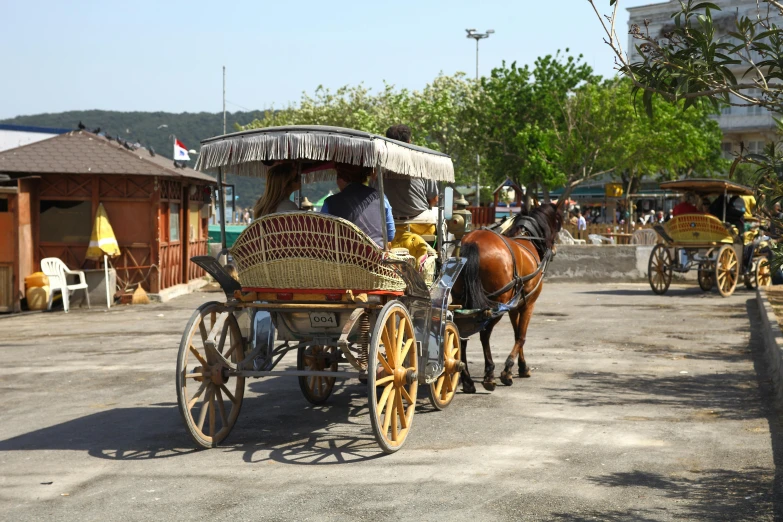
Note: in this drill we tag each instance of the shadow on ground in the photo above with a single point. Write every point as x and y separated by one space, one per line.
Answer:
709 494
276 423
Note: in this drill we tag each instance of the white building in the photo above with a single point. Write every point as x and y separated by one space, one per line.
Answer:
12 136
754 126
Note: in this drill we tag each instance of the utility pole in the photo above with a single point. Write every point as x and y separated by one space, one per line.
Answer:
224 96
478 36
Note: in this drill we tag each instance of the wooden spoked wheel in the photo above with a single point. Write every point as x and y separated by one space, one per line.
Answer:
727 270
763 273
392 377
316 359
442 390
706 276
659 269
209 399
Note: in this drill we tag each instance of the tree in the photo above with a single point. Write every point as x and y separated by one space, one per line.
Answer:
518 106
702 61
442 116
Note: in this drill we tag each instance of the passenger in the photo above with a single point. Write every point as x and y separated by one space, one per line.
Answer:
358 203
410 198
281 181
690 205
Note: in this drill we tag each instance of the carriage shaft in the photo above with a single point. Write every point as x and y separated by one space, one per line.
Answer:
298 373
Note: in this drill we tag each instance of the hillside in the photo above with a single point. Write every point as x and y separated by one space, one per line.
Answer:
156 130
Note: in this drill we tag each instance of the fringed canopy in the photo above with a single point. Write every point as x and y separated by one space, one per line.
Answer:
245 153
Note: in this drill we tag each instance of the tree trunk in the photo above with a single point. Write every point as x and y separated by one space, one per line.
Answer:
545 190
529 195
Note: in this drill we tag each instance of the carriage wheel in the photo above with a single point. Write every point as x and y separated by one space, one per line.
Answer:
442 391
209 400
727 270
392 379
318 359
763 273
659 269
706 276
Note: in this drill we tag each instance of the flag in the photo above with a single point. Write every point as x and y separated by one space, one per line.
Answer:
180 151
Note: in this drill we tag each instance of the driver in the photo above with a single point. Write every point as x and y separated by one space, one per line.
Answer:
411 198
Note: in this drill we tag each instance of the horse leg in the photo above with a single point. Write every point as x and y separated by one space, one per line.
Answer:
506 376
527 313
467 382
489 366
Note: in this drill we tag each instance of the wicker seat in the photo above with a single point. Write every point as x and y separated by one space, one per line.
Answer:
697 228
302 250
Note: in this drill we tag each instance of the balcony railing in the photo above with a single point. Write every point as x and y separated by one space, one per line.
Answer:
728 122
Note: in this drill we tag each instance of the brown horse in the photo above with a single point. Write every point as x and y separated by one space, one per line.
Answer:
497 276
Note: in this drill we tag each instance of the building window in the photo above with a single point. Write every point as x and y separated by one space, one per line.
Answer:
66 221
756 147
174 222
754 110
726 110
726 149
3 205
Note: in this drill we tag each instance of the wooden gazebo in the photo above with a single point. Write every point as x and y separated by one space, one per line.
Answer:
159 211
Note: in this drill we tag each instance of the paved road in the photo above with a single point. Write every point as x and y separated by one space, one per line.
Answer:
640 408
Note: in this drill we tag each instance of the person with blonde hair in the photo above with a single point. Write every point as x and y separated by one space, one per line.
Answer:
282 180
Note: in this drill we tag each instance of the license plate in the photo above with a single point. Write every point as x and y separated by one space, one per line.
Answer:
323 320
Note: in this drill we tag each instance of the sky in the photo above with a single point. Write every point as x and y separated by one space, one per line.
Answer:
168 56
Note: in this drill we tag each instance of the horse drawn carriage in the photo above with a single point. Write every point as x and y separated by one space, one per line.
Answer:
317 285
720 251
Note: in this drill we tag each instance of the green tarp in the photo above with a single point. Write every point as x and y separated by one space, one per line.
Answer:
232 233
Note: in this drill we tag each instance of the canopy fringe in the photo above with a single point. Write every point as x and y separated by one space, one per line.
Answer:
244 155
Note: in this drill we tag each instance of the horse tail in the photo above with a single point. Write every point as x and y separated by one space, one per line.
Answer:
475 297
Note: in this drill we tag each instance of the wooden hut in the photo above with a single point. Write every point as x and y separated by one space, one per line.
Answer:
51 193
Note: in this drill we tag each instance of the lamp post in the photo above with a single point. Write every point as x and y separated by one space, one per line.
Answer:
478 36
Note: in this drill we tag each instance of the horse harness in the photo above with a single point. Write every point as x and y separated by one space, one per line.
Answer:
517 282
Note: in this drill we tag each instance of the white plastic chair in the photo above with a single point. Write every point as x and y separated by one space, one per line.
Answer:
564 237
58 273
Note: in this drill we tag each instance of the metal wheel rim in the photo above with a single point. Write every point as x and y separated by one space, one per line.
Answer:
312 358
442 391
726 270
393 354
763 274
706 276
208 405
659 277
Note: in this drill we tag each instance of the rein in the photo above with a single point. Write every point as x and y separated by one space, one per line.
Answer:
518 282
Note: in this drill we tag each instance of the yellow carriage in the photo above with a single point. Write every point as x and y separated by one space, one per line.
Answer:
720 252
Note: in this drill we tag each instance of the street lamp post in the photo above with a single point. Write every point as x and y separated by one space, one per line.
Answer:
478 36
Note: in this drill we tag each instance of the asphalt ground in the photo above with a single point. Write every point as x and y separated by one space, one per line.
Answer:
640 407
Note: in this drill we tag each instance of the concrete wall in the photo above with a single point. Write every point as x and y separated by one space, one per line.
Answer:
605 262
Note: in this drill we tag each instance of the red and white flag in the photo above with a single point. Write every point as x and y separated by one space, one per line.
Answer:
180 151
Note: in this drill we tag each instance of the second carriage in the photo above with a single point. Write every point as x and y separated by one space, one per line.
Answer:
720 251
318 286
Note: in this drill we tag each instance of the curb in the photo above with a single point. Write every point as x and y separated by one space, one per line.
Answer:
773 342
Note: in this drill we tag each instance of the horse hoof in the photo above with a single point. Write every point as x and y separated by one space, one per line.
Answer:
506 378
489 386
468 387
525 374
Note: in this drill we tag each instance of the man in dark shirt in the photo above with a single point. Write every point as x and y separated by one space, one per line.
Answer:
359 204
410 198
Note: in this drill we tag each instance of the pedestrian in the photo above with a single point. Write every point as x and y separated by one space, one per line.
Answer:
581 223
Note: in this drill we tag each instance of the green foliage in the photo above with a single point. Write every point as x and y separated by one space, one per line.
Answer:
442 116
520 106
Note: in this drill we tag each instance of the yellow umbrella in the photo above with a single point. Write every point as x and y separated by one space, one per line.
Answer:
103 243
